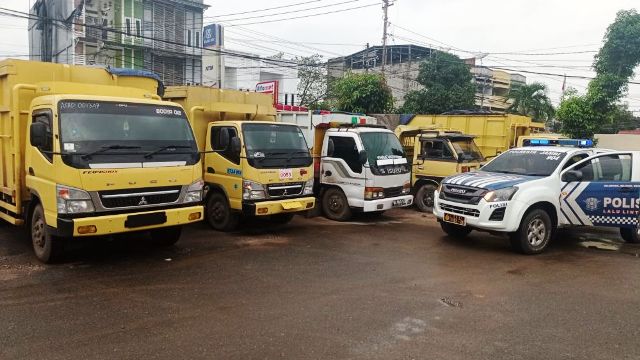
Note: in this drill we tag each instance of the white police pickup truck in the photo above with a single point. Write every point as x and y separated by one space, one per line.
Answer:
529 192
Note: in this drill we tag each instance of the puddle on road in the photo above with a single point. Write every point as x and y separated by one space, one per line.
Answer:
604 244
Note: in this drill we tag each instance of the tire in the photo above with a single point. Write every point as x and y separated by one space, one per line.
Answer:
166 236
631 235
455 231
47 248
335 205
534 234
219 214
424 198
281 219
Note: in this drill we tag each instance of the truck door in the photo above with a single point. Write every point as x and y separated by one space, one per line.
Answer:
599 191
437 158
341 165
222 164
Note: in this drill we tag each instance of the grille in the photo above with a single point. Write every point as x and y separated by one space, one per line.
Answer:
497 214
285 190
393 191
460 210
139 197
470 196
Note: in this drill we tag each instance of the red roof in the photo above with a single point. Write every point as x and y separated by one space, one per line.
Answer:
634 132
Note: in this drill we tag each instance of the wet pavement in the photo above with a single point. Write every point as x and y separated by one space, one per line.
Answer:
390 288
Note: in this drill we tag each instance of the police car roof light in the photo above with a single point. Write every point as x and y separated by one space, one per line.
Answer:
582 143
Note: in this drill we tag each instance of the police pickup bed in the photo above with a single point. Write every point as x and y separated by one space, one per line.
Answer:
529 192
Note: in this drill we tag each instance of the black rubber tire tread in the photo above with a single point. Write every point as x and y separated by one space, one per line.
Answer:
630 235
219 214
455 231
421 193
51 249
345 211
518 239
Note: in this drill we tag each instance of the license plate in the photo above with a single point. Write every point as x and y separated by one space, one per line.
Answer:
135 221
399 202
286 174
455 219
291 205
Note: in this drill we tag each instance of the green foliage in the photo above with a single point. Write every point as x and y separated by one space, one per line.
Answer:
362 93
447 83
614 66
312 87
531 100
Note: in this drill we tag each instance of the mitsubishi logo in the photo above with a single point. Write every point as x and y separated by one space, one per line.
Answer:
285 193
143 201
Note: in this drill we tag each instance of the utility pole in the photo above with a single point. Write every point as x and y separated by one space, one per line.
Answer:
365 59
385 9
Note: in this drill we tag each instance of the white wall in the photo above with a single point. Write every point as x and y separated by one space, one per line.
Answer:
621 142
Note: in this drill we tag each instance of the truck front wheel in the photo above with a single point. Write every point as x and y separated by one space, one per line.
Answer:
424 198
166 236
219 214
631 235
335 205
47 247
534 233
455 231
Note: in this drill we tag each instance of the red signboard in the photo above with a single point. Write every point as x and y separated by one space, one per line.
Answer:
268 87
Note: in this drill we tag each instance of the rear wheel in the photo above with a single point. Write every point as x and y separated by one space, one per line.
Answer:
47 247
281 219
335 205
219 214
534 233
166 236
424 198
631 235
455 231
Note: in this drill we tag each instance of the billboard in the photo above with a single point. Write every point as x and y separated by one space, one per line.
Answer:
212 36
268 87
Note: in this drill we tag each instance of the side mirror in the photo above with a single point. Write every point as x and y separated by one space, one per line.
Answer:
38 134
330 148
236 146
572 176
362 157
224 139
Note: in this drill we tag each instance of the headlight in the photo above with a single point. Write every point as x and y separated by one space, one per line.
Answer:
406 188
194 192
73 201
308 187
371 193
252 190
505 194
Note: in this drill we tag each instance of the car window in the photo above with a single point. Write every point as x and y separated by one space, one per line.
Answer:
345 148
575 159
45 118
437 150
607 168
216 144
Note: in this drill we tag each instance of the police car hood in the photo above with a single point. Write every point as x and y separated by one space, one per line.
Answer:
488 180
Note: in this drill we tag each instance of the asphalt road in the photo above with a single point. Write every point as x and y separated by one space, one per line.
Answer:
392 289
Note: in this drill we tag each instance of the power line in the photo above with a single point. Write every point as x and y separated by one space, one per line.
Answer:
305 16
265 9
294 11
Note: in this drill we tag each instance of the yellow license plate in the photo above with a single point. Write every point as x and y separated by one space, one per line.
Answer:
454 219
291 205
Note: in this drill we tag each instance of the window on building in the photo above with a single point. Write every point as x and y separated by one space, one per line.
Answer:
188 37
105 32
128 26
197 39
138 28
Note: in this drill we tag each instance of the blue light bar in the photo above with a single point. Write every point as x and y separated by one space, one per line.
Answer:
582 143
576 142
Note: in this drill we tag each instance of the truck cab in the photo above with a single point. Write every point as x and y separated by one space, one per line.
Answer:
359 167
434 154
529 192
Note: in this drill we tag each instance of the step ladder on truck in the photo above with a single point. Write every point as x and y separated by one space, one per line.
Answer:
359 166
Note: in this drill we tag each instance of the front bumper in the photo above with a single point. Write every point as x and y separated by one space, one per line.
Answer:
264 208
115 224
388 203
478 216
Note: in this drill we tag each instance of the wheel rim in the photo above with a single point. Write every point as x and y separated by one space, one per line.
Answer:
218 212
335 204
536 232
38 233
427 199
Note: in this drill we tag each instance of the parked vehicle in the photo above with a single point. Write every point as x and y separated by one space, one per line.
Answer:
529 192
253 166
434 154
359 166
494 133
88 151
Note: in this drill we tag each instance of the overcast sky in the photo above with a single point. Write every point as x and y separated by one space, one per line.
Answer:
470 26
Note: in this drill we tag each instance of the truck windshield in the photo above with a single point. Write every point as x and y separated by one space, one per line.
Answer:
95 132
526 162
275 146
466 149
385 153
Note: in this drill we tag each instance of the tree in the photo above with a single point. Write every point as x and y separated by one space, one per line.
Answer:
312 87
362 93
614 66
447 83
531 100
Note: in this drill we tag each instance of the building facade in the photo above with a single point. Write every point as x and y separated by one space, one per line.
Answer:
402 68
163 36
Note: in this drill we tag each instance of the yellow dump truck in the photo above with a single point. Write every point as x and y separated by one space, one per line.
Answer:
88 151
494 133
253 166
434 154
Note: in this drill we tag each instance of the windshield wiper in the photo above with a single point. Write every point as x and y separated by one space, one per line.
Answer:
163 148
107 148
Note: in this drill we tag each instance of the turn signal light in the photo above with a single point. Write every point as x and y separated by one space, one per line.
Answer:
263 210
195 216
87 229
309 205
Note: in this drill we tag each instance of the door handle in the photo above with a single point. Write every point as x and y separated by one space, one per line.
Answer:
327 173
31 172
210 170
